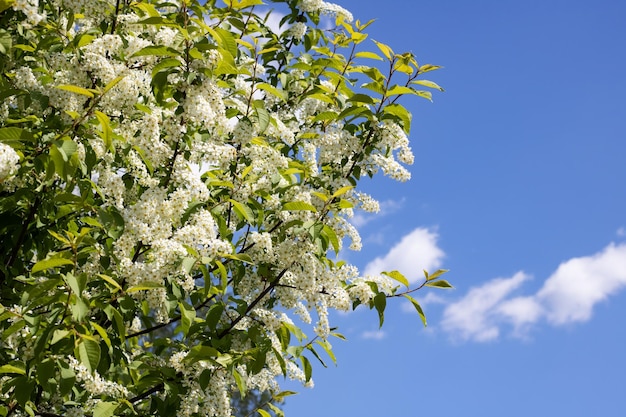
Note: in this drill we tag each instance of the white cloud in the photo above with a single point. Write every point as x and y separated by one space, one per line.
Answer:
567 296
621 232
415 252
273 21
578 284
374 334
476 315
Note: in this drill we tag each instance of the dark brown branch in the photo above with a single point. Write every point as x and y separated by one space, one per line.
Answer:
253 304
158 387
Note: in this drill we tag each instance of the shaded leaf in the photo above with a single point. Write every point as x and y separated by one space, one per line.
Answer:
88 352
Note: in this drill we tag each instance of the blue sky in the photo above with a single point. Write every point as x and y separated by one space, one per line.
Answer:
518 189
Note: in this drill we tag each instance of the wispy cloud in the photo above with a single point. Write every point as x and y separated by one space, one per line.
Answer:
476 315
387 207
373 334
415 252
567 296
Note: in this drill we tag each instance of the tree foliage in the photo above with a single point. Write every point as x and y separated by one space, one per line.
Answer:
176 179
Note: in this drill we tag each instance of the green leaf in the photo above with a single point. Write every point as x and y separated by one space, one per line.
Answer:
361 98
241 383
325 344
342 191
263 413
10 134
144 286
58 335
6 41
272 90
238 257
50 264
386 50
102 332
118 321
112 83
380 302
201 352
442 283
321 196
68 378
306 366
76 89
112 221
13 369
399 90
427 68
84 39
401 113
324 116
242 210
157 51
166 63
45 371
375 86
427 83
111 281
370 55
435 275
319 358
88 352
299 206
213 315
80 309
5 4
76 283
262 114
424 94
225 40
105 409
67 147
107 132
332 237
24 388
242 4
281 395
398 277
417 307
188 315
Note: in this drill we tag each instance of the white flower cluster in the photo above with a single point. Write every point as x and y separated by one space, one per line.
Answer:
214 400
319 6
333 9
199 175
9 161
297 30
30 8
94 384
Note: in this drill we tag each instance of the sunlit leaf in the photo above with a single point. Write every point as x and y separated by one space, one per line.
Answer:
50 264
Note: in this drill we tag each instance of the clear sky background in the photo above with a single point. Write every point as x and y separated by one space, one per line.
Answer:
519 188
